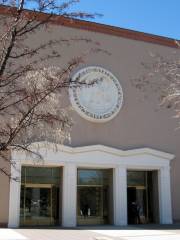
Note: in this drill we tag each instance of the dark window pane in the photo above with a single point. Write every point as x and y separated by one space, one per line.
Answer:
136 178
40 175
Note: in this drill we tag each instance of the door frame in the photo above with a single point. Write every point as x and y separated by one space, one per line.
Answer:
38 186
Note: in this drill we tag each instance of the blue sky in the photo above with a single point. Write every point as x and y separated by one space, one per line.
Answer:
160 17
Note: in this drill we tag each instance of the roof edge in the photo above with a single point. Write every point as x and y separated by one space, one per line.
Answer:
37 146
102 28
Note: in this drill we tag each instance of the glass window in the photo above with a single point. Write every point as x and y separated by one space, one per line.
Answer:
93 177
40 175
136 178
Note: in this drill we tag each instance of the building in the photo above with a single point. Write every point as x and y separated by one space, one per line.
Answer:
122 166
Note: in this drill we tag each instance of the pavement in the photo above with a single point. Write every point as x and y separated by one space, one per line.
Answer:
157 232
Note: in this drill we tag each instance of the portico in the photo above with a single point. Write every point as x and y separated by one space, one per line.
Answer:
94 157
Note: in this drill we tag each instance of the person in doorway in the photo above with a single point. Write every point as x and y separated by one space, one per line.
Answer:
85 208
135 212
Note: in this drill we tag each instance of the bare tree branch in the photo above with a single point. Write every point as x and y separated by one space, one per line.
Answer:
29 93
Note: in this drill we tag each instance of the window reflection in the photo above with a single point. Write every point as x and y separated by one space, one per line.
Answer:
40 195
93 177
94 193
136 178
40 175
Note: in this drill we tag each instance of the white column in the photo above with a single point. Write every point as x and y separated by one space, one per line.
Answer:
165 208
14 196
120 196
69 195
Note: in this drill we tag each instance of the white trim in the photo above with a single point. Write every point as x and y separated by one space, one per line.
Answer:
165 195
120 196
96 156
69 195
101 148
14 196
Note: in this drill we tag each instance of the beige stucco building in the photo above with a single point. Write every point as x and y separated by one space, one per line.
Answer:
122 166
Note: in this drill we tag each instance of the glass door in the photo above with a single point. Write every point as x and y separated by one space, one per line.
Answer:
94 203
36 204
40 196
90 205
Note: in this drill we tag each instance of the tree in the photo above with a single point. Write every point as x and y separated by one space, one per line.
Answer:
29 94
167 71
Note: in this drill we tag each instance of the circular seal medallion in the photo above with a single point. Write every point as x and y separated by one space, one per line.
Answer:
100 96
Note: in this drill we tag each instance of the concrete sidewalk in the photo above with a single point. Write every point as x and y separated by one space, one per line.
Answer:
166 232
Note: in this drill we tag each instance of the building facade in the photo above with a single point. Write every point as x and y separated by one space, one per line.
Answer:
122 166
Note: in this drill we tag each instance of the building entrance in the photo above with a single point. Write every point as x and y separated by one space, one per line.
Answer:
142 193
39 199
94 193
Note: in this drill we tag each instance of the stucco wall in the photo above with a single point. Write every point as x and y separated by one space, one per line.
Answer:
4 189
140 123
